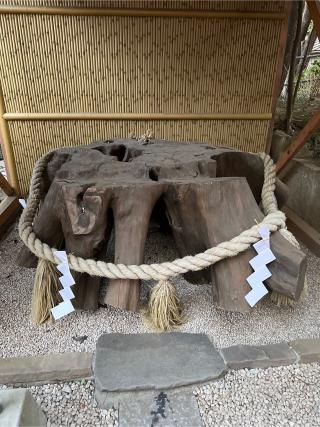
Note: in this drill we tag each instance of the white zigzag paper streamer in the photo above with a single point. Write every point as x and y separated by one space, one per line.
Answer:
261 272
23 203
65 307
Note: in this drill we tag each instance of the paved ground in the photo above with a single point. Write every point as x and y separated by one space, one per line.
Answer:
264 324
286 396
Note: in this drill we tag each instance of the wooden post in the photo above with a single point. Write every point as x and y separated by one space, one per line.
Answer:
7 147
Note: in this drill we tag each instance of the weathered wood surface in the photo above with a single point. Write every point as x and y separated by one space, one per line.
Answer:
208 195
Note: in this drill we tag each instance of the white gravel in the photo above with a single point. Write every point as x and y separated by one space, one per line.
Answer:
2 168
286 396
266 323
72 404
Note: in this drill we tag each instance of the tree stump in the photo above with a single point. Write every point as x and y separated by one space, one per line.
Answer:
207 195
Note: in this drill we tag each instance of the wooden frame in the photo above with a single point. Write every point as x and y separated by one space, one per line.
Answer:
7 147
8 207
314 123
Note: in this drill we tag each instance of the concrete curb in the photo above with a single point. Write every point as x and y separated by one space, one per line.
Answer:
46 368
69 366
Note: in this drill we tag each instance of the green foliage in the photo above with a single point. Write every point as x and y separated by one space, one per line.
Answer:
314 69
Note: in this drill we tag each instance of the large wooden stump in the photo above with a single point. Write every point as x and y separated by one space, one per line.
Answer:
208 194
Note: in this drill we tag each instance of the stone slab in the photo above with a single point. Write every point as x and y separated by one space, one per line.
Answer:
45 368
308 350
19 409
162 409
128 362
265 356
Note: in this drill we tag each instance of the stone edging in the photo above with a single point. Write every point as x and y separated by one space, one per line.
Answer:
47 368
265 356
78 365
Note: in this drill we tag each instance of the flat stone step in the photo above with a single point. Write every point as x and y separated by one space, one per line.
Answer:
129 362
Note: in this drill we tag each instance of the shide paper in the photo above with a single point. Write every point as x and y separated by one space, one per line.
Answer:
261 271
65 307
23 203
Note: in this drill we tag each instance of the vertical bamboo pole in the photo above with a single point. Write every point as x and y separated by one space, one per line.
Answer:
7 146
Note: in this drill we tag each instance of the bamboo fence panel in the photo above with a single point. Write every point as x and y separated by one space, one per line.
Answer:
185 68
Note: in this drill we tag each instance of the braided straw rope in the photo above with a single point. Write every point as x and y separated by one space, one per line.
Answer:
274 220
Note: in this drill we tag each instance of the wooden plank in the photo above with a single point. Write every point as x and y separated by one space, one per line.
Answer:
9 209
5 186
278 71
299 141
303 231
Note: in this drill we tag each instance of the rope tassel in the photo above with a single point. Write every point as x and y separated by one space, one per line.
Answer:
164 309
45 293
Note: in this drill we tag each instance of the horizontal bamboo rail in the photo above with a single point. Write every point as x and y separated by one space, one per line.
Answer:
131 116
169 13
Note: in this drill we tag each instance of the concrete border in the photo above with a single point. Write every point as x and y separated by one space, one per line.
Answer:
35 370
49 368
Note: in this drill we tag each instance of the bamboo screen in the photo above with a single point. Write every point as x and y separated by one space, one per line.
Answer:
70 78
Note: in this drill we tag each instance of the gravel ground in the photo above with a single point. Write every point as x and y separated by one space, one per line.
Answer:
2 168
266 323
72 404
286 396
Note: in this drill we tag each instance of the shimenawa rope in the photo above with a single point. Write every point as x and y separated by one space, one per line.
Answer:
274 220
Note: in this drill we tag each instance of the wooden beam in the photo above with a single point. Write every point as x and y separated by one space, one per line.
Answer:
179 13
314 10
299 141
131 116
303 231
5 186
9 208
